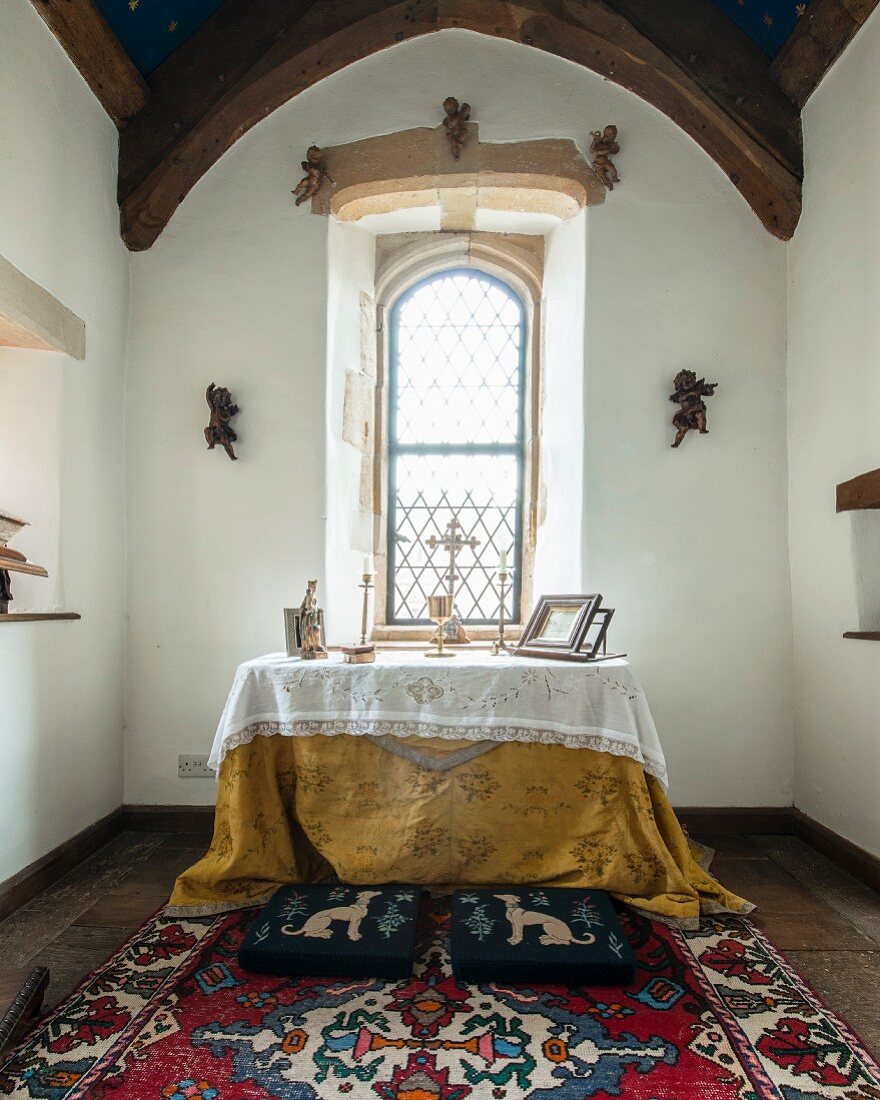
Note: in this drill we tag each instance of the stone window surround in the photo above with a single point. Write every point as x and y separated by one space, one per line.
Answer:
414 168
401 261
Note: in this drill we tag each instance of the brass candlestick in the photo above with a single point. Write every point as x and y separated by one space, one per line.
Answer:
366 585
499 645
365 652
440 609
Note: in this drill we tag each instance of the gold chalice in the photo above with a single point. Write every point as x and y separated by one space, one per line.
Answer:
440 609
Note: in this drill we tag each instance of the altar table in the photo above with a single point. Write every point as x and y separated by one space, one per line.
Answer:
477 770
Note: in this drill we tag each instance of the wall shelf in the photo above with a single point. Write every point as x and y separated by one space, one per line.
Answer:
859 492
31 317
12 617
865 635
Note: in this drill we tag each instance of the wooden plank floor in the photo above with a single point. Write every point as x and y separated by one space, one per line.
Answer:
824 921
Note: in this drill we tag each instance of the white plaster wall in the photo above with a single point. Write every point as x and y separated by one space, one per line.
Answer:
234 292
351 263
61 451
558 554
834 416
689 546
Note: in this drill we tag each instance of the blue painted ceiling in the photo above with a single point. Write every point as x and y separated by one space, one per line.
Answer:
152 29
769 22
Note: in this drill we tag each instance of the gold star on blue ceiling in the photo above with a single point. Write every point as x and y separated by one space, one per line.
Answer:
768 22
150 30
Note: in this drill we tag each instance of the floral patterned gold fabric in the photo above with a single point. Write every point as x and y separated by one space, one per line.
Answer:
302 809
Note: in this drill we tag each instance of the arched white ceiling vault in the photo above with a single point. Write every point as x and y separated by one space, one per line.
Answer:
168 146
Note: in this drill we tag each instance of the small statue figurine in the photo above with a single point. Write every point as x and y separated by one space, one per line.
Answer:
456 123
219 430
602 146
454 632
315 173
5 591
689 394
310 647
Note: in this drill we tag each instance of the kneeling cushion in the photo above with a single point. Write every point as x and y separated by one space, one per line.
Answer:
545 936
334 931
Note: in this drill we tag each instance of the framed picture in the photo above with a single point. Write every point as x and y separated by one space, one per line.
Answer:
593 644
558 625
292 633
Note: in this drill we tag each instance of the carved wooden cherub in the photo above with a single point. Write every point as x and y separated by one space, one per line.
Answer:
455 123
315 173
689 394
310 648
602 147
219 430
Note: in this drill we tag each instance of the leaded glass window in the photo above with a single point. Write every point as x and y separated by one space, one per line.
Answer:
456 442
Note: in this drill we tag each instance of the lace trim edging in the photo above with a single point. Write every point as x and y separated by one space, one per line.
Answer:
596 742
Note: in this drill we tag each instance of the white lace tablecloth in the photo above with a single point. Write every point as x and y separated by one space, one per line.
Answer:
473 696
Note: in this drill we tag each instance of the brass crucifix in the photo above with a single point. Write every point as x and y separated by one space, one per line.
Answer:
453 545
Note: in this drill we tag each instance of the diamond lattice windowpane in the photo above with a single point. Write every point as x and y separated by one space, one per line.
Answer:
456 442
459 350
482 492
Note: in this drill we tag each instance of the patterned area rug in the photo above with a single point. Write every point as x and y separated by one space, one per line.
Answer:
715 1014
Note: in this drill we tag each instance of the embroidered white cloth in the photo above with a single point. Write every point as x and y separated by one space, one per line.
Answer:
474 697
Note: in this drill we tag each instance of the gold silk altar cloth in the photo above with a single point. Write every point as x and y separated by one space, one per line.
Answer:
432 809
476 697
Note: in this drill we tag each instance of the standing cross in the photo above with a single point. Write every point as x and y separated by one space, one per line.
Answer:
453 544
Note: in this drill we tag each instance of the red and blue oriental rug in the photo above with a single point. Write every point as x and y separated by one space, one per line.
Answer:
714 1014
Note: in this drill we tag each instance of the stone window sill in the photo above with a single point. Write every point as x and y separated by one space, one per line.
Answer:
421 635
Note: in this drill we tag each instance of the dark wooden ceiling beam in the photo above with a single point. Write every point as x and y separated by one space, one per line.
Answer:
198 73
96 51
170 148
819 38
727 65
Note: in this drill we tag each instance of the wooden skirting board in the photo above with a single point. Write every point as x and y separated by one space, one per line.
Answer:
860 864
711 820
169 819
199 820
734 820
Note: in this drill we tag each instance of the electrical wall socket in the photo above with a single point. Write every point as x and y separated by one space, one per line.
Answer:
193 767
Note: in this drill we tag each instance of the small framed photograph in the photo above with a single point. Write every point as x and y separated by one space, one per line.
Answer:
558 625
293 634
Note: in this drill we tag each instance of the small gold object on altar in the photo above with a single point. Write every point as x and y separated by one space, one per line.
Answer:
310 627
452 543
440 609
499 646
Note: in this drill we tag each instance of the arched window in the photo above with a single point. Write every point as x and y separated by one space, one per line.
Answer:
456 443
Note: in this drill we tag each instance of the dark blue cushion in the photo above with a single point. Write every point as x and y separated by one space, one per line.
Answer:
543 936
334 931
